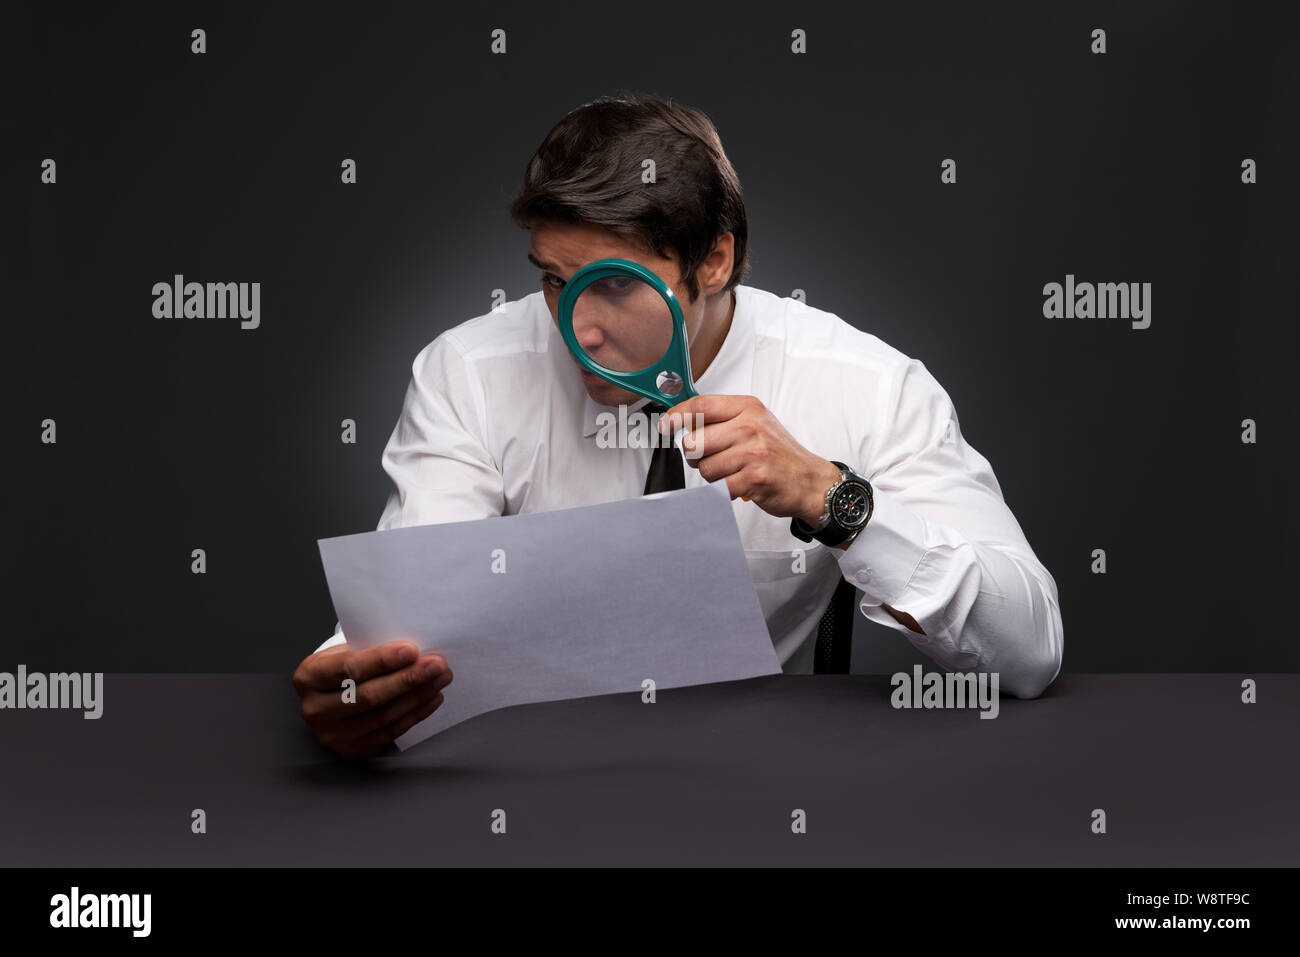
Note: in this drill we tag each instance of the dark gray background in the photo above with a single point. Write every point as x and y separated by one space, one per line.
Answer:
225 167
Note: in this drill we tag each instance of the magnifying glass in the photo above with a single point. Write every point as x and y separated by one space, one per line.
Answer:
624 324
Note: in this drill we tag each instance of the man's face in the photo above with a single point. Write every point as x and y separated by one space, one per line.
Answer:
561 249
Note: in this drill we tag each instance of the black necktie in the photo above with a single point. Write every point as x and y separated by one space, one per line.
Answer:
666 470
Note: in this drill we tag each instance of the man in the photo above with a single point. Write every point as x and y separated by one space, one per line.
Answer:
499 419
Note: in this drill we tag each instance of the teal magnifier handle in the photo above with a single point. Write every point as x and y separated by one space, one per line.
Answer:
645 382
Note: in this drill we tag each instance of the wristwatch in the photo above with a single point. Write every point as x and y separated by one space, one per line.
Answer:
849 503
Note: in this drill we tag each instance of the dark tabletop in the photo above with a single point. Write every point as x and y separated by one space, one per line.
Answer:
1187 774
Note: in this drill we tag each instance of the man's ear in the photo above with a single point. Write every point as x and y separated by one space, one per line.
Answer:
725 246
717 266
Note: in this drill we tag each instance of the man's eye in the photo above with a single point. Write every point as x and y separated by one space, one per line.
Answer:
613 285
554 282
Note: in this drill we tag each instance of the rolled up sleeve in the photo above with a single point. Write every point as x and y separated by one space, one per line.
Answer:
943 546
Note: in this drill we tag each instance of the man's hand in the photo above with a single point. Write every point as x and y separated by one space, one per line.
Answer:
395 690
742 441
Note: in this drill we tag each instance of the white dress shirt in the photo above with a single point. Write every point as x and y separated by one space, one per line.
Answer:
496 421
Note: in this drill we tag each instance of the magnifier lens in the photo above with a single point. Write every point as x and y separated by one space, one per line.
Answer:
623 324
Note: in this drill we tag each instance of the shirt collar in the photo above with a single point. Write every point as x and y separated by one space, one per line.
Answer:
730 373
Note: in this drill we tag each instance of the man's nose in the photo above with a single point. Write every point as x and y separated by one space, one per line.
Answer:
591 338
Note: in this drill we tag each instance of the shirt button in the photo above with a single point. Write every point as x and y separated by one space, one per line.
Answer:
864 576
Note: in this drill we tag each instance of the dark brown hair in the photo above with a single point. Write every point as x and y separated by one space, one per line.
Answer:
588 170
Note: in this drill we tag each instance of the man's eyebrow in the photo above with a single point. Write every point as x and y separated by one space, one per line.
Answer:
546 267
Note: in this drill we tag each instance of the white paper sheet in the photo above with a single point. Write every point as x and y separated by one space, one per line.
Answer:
561 604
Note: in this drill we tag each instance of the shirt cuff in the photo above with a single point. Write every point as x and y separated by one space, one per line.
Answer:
336 639
886 554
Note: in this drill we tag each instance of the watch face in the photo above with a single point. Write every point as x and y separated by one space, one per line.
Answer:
850 505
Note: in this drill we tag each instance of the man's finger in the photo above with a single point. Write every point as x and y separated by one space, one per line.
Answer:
722 465
376 740
711 439
713 408
364 723
328 671
379 691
